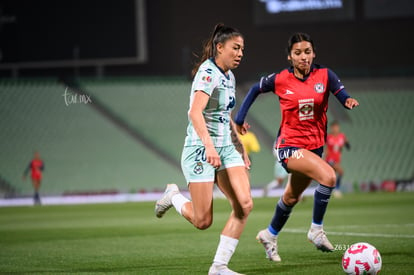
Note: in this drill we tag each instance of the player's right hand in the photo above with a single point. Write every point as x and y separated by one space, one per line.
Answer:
213 157
242 129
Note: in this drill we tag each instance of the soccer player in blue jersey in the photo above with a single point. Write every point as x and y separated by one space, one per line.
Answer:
303 91
212 150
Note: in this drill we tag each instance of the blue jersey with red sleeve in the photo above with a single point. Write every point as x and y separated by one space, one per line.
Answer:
303 104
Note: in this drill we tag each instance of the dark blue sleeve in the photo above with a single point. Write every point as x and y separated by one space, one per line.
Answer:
337 88
247 102
266 84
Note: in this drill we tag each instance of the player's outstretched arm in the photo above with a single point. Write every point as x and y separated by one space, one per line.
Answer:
244 108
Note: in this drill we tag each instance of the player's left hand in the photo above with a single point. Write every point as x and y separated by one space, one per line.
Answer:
350 103
247 162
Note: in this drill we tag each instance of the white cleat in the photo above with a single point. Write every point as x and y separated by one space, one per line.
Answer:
162 205
221 270
270 245
319 239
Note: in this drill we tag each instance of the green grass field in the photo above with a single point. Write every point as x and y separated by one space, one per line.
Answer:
127 238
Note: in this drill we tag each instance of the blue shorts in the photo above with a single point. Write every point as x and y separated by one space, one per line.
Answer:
283 154
196 168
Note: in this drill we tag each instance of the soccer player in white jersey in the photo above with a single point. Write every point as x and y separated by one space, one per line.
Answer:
212 150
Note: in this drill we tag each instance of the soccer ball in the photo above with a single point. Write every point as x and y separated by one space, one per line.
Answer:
361 259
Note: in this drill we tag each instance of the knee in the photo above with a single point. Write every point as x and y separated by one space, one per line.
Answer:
329 178
203 223
247 206
243 208
290 200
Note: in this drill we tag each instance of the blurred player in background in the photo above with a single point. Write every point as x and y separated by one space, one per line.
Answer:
303 91
335 141
36 167
250 143
280 175
212 150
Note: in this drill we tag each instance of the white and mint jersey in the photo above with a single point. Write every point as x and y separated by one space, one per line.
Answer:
221 88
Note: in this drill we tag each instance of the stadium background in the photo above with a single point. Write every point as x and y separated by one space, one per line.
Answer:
136 72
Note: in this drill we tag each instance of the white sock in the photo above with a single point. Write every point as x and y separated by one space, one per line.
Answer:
178 201
225 250
316 226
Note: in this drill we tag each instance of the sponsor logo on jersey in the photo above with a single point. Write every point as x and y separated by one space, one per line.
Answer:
306 107
319 88
198 169
232 103
289 92
226 84
223 120
209 71
206 78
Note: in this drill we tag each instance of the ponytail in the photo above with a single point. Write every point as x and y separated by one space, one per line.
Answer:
220 34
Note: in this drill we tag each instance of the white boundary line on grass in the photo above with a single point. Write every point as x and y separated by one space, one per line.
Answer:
372 225
121 198
358 234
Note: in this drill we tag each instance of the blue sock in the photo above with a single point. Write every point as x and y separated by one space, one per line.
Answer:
321 199
282 213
